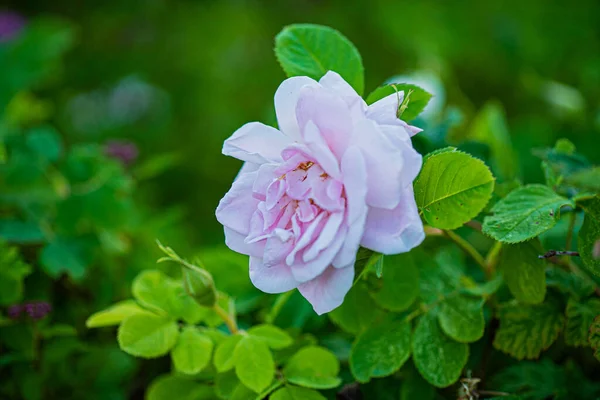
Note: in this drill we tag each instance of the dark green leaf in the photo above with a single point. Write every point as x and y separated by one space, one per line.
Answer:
580 316
399 287
524 214
589 234
170 387
439 359
356 312
461 318
524 272
381 350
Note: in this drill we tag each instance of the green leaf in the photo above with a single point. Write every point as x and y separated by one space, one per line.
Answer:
489 127
114 314
158 292
569 283
461 318
580 316
225 384
274 337
524 214
224 355
594 337
587 179
399 288
192 352
312 50
296 393
45 142
170 387
147 335
356 312
21 232
313 367
524 272
12 273
526 330
413 98
254 363
381 350
415 387
452 188
589 235
66 255
439 359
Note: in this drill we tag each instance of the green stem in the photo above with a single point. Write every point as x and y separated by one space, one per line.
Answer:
279 303
469 249
492 257
228 319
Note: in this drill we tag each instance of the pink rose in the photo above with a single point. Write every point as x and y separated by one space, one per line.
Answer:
337 175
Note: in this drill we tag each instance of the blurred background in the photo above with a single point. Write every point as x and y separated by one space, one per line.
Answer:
125 106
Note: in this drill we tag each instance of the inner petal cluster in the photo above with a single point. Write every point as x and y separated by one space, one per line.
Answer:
300 210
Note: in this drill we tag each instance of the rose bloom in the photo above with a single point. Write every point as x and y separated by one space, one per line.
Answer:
337 175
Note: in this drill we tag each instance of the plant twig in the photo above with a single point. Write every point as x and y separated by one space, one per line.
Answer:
228 319
553 253
469 249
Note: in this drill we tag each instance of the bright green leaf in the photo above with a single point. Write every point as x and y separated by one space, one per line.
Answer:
224 354
313 367
589 235
225 384
452 188
461 318
399 287
380 350
580 316
413 97
147 335
296 393
524 214
526 330
439 359
193 351
254 363
524 272
114 314
312 50
273 336
171 387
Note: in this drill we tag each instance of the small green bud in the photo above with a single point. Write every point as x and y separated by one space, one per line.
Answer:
199 284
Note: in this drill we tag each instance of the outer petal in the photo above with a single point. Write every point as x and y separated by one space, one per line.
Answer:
256 143
384 165
236 208
412 161
329 113
333 81
286 98
384 112
354 171
394 231
275 279
328 290
235 241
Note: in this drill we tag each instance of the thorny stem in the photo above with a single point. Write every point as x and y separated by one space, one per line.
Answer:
228 319
469 249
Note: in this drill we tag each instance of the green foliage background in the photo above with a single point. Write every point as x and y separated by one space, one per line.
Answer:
177 78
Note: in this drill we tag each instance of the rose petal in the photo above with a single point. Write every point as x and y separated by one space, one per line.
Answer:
412 161
320 151
394 231
235 241
384 112
275 279
327 291
257 143
286 99
236 208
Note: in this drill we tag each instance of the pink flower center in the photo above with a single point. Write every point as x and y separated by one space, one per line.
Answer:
301 211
